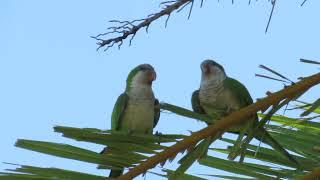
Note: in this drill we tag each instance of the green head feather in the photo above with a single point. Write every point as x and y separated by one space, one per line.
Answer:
213 63
134 72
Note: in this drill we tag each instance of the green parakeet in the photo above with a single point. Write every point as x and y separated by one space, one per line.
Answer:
219 95
135 109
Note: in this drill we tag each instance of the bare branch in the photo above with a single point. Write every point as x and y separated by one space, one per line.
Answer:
166 23
201 4
130 28
192 2
123 29
223 124
182 7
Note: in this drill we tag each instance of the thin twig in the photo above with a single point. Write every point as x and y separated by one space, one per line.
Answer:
130 28
273 2
303 2
309 61
191 7
201 3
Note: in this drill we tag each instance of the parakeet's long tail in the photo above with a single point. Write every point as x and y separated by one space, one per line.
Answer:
113 172
197 152
265 137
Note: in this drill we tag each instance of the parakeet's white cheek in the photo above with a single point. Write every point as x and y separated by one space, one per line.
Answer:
139 78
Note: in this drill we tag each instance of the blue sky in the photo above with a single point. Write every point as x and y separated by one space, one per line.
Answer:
51 73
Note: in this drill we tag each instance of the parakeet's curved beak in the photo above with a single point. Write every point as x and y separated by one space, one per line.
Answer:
152 76
205 68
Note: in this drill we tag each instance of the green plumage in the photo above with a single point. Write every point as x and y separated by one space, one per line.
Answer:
118 110
233 97
217 97
136 110
238 90
132 74
120 107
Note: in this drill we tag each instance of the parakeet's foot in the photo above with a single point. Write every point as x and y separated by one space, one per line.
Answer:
242 155
234 152
238 149
148 131
225 111
159 136
130 132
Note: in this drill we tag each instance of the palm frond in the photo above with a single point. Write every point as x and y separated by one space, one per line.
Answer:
32 172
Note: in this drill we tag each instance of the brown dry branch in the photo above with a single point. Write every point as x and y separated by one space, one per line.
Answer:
128 28
273 3
303 2
223 124
314 175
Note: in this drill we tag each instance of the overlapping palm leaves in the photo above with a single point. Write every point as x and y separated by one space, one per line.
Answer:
127 150
298 135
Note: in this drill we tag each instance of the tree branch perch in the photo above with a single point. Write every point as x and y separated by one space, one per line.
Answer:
128 28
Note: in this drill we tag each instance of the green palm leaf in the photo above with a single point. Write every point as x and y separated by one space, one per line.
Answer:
31 172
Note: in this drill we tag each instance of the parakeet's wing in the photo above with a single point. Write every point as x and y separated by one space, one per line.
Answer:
239 90
156 112
195 102
245 99
116 116
118 111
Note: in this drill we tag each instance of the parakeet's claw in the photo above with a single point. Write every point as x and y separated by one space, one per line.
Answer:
239 145
148 131
130 132
159 136
232 155
228 110
234 152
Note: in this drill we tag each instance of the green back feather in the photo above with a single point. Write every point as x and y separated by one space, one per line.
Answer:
239 90
245 99
195 102
118 111
131 76
156 112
